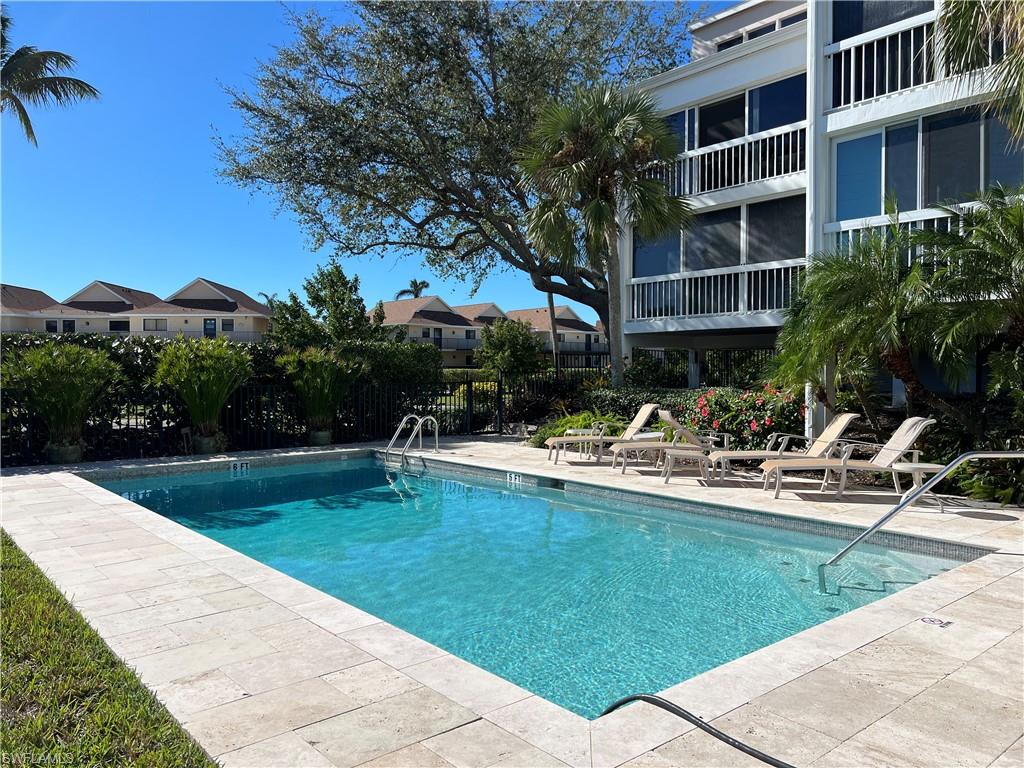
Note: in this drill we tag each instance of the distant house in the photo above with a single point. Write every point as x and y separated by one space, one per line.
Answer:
575 335
431 320
201 308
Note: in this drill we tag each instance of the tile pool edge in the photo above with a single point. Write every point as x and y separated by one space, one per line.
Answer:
545 724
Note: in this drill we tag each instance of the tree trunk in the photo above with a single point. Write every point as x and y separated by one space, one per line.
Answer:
554 330
900 364
614 326
867 406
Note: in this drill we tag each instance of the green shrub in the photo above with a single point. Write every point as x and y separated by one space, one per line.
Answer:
61 384
582 420
204 373
321 379
510 347
394 361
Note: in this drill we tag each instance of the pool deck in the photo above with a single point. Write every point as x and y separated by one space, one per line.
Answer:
263 670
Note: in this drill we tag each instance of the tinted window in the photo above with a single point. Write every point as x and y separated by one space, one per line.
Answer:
859 177
778 103
730 43
691 128
677 124
776 230
852 17
1005 163
227 325
659 257
118 325
952 148
794 19
760 31
51 326
901 165
714 240
722 121
68 326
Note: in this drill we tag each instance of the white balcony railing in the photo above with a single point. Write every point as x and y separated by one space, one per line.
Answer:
748 289
891 59
757 157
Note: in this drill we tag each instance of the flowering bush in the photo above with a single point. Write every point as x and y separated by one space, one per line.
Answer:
748 415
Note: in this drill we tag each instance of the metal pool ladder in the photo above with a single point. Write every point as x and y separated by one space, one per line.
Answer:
417 431
909 498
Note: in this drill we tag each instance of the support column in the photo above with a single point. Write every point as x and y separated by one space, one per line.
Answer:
693 369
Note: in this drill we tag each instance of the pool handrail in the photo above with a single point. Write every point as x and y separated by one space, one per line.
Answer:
394 437
909 498
418 431
691 718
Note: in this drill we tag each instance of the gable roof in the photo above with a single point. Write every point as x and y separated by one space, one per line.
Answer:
231 300
14 298
121 299
565 318
426 310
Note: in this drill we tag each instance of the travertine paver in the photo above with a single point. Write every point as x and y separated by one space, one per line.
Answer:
264 670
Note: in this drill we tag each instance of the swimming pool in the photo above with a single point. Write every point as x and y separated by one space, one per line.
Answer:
577 599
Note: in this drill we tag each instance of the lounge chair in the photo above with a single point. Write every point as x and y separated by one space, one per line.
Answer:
683 439
778 446
839 459
600 441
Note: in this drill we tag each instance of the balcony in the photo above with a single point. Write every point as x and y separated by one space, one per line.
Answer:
577 347
447 343
239 336
889 60
758 157
735 291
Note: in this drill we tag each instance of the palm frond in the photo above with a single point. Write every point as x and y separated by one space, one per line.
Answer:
8 101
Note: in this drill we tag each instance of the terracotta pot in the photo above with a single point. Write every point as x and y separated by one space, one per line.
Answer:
204 444
64 454
319 437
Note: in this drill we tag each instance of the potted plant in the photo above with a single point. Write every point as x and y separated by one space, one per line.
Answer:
321 379
204 373
61 383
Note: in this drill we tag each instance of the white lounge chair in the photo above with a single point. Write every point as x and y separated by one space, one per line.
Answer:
839 459
682 439
632 432
778 446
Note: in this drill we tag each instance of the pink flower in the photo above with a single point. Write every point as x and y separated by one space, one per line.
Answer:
693 421
704 412
700 401
753 425
768 421
714 424
759 401
711 393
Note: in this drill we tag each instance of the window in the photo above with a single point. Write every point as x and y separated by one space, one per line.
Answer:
859 177
560 337
227 325
901 165
691 129
722 120
154 325
776 230
732 42
779 103
426 333
1005 162
120 326
677 124
471 334
854 17
761 31
660 257
796 18
67 326
469 361
952 147
51 326
714 240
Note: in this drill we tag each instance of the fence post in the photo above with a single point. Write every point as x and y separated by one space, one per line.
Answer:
469 405
501 404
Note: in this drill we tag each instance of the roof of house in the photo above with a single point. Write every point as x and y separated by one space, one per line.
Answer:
122 298
242 299
14 298
538 319
429 310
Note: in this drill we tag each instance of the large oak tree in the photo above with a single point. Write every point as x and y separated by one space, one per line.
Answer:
399 133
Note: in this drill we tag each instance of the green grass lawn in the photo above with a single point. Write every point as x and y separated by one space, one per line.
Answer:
65 697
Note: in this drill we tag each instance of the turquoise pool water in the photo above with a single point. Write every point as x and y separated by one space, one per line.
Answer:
572 598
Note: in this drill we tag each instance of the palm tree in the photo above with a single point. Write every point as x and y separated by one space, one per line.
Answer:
553 325
967 29
414 291
589 163
31 76
871 301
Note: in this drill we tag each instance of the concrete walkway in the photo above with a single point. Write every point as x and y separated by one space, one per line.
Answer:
266 671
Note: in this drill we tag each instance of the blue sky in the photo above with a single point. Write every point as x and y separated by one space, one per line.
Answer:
125 188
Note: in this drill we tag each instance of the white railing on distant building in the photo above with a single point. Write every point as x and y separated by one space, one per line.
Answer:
751 288
840 235
240 336
891 59
748 159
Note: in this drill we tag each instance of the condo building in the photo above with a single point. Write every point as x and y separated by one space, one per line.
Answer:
795 123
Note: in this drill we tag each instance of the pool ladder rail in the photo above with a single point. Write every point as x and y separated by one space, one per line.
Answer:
417 431
909 498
